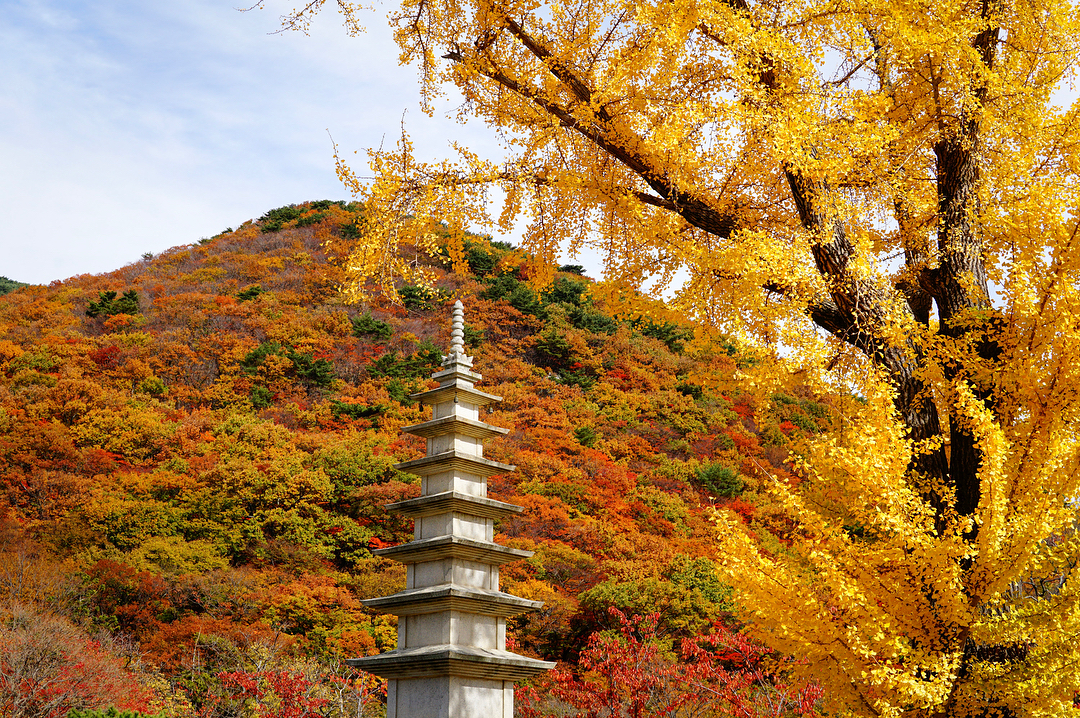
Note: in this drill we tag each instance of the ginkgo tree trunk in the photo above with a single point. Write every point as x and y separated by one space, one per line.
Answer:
889 186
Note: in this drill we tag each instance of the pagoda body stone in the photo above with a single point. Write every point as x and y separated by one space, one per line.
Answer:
451 660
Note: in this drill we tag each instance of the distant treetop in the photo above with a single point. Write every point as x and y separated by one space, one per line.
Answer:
10 285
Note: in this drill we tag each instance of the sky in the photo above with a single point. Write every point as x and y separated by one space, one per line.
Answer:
129 126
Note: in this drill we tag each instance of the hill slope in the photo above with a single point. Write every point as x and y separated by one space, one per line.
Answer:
195 449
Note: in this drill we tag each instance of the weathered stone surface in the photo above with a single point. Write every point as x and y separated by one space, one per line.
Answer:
453 697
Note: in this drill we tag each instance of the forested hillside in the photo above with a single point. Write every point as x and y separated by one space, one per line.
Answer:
195 450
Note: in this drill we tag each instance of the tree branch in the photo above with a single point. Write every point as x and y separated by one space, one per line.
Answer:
695 211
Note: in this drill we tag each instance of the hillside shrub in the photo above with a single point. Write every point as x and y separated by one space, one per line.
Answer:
254 358
261 397
152 386
473 337
311 219
353 230
400 390
9 285
555 352
670 333
250 293
517 294
592 321
367 326
420 363
110 712
481 262
688 389
275 219
586 435
720 480
421 299
566 291
804 422
108 305
554 349
319 372
339 409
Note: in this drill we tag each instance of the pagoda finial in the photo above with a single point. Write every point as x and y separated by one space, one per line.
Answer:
457 330
456 363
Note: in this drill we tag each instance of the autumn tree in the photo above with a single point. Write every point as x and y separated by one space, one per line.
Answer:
885 190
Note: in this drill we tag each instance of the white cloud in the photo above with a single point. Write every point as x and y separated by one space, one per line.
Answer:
128 127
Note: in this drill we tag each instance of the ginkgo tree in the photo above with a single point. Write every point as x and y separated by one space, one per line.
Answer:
887 189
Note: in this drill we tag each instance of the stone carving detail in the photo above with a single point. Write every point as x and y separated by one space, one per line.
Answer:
451 660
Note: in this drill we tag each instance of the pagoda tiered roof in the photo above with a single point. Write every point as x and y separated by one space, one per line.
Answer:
452 501
455 425
452 597
440 547
455 392
454 460
452 659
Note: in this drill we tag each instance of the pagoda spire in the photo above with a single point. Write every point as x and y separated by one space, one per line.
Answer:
451 660
457 333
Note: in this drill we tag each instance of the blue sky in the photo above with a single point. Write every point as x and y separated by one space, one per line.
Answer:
129 126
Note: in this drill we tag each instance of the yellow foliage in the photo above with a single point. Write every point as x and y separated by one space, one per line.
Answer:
134 434
333 323
173 555
9 350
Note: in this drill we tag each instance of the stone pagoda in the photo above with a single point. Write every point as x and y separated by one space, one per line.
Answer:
451 660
